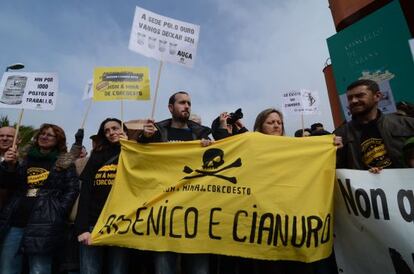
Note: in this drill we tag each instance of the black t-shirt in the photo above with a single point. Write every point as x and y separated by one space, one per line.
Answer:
97 179
37 173
179 134
374 153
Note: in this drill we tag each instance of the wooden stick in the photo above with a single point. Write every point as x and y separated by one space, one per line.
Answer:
86 114
303 124
122 113
156 90
18 127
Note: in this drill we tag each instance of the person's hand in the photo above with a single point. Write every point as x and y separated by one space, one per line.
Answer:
206 142
239 124
375 170
149 128
85 238
10 157
123 136
223 119
79 136
338 142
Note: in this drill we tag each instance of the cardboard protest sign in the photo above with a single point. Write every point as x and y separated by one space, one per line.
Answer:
164 38
374 216
246 192
116 83
300 102
29 90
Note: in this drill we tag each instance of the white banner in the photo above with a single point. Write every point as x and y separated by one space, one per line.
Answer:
374 221
29 90
164 38
88 91
300 101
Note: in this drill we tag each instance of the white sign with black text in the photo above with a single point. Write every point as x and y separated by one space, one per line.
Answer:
301 101
164 38
29 90
374 219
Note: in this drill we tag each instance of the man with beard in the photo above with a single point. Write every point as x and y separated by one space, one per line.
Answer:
372 140
177 129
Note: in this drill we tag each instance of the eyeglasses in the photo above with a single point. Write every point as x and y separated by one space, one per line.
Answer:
48 135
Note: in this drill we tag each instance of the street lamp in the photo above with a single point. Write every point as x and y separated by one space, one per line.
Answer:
15 66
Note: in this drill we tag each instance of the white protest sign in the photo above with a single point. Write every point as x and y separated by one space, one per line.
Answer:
300 101
29 90
374 218
88 91
164 38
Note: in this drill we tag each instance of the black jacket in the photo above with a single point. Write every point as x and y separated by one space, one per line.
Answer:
161 135
45 228
394 131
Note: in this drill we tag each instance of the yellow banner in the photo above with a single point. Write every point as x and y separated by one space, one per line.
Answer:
116 83
250 195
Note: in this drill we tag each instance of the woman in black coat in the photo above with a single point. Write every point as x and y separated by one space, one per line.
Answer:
44 186
97 179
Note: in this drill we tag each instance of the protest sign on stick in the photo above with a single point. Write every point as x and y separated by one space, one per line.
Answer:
301 102
117 83
164 38
28 90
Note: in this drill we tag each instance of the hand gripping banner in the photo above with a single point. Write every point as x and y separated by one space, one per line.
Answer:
250 195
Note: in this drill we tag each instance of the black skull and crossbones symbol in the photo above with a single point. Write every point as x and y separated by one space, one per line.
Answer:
213 158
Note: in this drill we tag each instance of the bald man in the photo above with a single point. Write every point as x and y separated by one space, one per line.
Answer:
6 141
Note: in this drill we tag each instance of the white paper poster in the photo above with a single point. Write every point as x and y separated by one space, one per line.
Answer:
29 90
88 91
301 101
374 219
164 38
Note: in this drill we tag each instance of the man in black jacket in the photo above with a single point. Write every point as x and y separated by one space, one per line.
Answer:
177 129
372 140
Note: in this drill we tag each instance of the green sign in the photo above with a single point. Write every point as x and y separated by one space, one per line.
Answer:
377 48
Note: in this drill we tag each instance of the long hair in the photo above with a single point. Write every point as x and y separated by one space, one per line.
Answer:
101 140
60 137
261 118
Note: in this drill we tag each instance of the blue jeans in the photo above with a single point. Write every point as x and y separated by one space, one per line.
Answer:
91 259
166 263
11 260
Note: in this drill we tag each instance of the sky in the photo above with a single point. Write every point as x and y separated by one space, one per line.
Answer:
249 53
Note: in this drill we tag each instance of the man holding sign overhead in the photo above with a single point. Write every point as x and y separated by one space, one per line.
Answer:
178 128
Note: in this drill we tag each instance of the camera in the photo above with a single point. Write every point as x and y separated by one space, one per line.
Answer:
234 116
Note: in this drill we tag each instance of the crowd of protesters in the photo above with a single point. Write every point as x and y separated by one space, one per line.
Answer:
52 198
